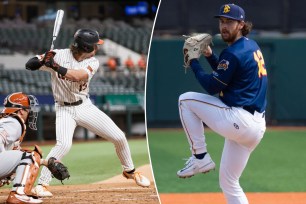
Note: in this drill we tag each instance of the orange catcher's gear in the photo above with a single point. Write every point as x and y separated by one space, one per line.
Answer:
17 101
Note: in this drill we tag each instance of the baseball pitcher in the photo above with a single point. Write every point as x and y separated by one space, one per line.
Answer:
71 71
240 78
19 165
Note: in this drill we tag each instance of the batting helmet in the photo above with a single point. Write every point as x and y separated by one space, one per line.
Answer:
17 101
86 39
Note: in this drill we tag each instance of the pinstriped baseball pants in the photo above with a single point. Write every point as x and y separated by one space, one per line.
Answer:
242 132
90 117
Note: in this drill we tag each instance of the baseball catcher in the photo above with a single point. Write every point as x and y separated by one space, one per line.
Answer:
20 165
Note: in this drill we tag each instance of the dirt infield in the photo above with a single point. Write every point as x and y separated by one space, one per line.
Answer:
117 190
218 198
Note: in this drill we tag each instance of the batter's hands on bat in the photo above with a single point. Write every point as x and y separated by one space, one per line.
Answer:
49 61
48 56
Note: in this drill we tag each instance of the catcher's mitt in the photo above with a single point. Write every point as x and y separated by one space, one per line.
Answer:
58 169
194 46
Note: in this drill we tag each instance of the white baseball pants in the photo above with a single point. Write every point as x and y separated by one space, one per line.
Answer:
242 132
9 161
90 117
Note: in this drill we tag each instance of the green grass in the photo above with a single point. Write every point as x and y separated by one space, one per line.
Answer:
277 164
91 162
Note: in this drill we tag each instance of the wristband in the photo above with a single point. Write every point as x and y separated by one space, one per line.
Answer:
62 70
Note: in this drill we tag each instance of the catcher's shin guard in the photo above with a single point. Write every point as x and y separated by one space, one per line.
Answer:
27 172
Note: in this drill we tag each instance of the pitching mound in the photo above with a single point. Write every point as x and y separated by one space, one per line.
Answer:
116 190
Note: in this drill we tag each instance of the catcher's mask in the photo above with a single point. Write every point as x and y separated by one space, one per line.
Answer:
17 101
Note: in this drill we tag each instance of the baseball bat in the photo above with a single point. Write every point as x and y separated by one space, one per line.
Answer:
57 26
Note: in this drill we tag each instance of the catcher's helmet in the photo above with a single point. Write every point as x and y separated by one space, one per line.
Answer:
86 39
17 101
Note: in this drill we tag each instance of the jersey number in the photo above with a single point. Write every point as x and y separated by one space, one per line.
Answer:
261 63
83 87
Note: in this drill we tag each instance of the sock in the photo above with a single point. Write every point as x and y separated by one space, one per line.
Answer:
200 156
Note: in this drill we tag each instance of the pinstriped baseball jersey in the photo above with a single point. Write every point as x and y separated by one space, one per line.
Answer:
84 114
65 90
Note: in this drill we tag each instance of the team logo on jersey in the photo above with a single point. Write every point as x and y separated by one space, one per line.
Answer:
226 9
236 126
223 64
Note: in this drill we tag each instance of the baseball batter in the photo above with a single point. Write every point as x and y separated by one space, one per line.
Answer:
71 71
240 78
17 164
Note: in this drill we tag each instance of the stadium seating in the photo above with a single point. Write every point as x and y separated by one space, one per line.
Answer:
39 82
36 38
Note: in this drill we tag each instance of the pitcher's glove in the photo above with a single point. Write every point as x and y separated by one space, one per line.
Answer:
194 46
58 169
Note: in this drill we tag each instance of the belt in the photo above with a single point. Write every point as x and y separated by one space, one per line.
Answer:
70 104
252 111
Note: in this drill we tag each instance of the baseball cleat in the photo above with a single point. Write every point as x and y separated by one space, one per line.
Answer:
194 166
41 191
15 198
139 179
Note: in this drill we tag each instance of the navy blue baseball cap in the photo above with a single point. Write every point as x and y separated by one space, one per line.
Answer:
231 11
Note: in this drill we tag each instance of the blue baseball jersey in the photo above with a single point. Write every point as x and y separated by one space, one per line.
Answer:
239 75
